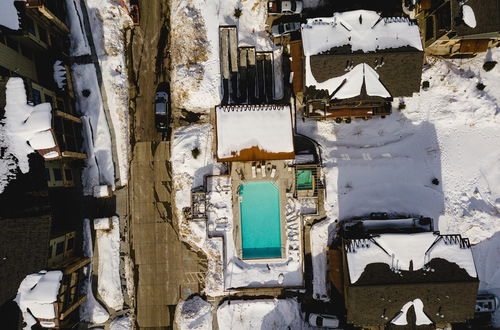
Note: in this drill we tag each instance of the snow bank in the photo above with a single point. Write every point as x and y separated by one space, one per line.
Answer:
121 323
194 313
267 127
109 21
361 29
90 310
108 283
322 234
37 293
196 77
99 167
487 258
260 314
9 16
23 123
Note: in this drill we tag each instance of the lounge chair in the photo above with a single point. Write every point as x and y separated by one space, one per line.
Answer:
263 169
254 174
273 171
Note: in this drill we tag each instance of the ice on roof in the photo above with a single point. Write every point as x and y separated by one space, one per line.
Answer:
8 15
399 250
363 30
266 127
38 292
349 85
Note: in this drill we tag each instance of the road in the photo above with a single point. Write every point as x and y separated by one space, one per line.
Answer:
165 268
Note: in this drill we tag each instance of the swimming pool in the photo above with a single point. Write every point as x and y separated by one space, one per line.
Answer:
260 220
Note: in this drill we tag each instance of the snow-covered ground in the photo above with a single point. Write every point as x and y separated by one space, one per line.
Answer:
8 15
108 270
194 313
196 78
449 131
265 314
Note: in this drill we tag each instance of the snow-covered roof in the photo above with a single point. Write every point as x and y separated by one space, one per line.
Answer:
363 30
349 85
400 250
254 132
8 15
38 292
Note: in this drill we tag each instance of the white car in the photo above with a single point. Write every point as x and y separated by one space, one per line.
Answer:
323 321
284 28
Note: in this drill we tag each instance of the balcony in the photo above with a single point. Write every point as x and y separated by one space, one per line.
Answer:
52 10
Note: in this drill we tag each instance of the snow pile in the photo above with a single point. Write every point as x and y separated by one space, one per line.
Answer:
194 313
9 16
79 41
121 323
36 295
418 306
196 77
487 258
59 74
109 21
242 127
400 250
363 30
26 128
468 16
101 191
349 85
90 310
109 284
264 314
449 131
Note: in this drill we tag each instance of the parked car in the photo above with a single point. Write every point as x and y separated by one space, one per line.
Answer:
162 110
323 321
279 30
288 7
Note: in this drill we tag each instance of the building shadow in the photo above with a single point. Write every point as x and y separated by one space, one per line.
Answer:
388 165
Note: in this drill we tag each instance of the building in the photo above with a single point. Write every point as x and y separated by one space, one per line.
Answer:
355 63
38 53
402 280
452 28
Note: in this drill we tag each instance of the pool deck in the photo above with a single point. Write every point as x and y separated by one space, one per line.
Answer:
284 179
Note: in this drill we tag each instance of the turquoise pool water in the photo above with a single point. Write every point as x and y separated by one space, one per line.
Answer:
260 220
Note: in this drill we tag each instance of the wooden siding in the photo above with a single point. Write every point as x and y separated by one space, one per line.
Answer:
14 61
255 153
297 66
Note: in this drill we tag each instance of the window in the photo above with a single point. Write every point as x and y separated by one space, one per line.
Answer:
429 28
2 38
50 251
43 34
13 44
4 72
37 96
28 25
47 174
57 174
60 105
68 174
71 243
59 248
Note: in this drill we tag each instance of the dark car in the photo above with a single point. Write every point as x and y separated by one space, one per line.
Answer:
162 110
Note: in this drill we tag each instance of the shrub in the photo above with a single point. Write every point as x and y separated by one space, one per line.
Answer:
488 66
86 92
480 86
195 152
237 12
401 106
425 84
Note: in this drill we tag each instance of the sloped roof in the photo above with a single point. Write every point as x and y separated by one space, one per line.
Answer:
361 30
486 12
400 72
407 252
254 132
